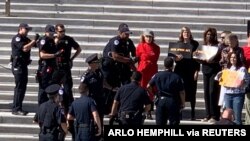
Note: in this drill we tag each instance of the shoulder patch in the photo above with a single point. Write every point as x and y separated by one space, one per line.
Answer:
116 42
42 42
18 39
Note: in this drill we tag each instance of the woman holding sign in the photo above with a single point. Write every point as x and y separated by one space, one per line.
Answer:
235 89
210 67
191 67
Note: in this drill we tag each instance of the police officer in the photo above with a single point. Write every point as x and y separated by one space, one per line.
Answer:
131 98
93 78
21 46
64 63
47 62
84 111
117 62
171 94
50 117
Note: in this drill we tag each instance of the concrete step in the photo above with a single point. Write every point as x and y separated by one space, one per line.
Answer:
189 4
115 23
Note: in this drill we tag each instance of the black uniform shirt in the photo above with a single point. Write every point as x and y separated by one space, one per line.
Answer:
132 97
17 44
67 43
47 45
82 109
50 115
167 82
94 81
120 46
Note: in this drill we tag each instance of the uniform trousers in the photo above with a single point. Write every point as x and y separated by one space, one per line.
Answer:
21 79
167 108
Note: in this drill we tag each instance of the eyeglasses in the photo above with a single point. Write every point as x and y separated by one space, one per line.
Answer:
62 31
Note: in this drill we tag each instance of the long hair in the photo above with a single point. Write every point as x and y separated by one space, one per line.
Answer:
213 32
238 60
185 28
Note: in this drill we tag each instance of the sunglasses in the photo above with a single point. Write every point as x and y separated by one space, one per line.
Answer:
222 37
62 31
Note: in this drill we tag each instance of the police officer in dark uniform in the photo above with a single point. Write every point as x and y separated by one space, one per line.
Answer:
21 46
84 111
64 63
131 98
50 117
171 94
47 62
117 61
93 78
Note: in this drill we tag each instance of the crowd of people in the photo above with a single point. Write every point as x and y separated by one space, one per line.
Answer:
125 82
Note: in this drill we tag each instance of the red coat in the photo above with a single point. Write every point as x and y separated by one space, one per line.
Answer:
148 56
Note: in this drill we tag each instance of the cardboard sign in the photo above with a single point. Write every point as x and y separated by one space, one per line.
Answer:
205 52
180 48
232 79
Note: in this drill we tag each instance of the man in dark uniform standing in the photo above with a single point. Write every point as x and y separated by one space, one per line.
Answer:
21 46
47 62
65 62
117 62
84 111
171 94
133 101
50 117
93 78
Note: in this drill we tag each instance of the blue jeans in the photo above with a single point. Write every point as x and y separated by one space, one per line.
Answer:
235 102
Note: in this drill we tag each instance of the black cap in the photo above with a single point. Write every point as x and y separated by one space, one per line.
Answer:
50 28
24 25
92 58
125 30
53 89
122 25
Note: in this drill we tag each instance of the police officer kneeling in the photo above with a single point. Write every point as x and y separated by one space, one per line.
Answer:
50 117
131 98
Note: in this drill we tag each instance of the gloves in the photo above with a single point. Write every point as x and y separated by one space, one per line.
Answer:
36 37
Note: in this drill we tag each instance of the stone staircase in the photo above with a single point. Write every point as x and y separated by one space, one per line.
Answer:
92 23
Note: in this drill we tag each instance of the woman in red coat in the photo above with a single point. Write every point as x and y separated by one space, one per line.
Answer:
148 53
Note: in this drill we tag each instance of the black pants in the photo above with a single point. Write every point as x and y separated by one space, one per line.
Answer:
168 108
48 137
21 79
46 79
63 76
211 96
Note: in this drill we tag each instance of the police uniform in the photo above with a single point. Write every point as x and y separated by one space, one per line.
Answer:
46 66
50 116
168 106
64 64
132 99
81 109
20 63
94 81
117 73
